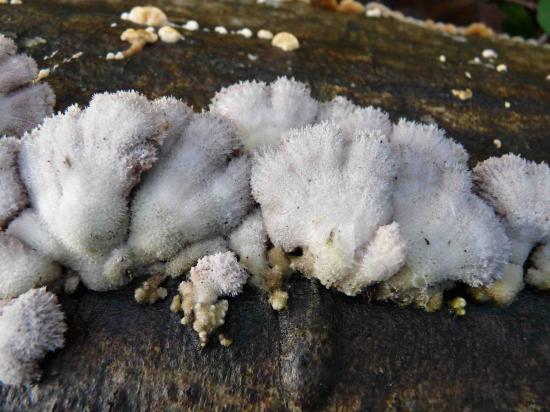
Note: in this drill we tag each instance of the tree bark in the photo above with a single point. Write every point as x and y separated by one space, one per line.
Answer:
327 351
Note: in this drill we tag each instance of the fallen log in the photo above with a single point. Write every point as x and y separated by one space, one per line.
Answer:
327 351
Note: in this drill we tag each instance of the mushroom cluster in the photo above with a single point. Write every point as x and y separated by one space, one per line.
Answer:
267 182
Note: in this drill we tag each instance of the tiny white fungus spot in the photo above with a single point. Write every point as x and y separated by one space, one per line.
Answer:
168 34
264 34
375 12
502 68
220 30
191 25
489 54
246 32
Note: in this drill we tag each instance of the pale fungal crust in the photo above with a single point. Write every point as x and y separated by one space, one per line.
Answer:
351 118
24 103
30 326
22 267
263 112
328 196
462 94
188 256
268 269
42 74
213 276
489 54
146 16
249 241
78 221
71 284
458 306
286 41
194 194
137 39
191 25
373 11
13 197
519 191
274 277
264 34
168 34
539 274
245 32
502 68
342 196
224 341
150 291
85 225
451 234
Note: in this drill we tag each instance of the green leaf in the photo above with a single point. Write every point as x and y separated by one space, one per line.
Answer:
516 20
543 15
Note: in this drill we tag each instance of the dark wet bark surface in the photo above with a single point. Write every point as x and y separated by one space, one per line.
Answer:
327 351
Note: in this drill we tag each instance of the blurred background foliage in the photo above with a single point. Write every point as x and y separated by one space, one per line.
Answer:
526 18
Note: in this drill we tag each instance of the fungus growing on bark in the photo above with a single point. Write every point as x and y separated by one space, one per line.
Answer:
451 234
168 34
285 41
263 112
519 190
75 220
30 326
146 16
23 103
196 192
331 197
137 39
213 276
342 196
13 197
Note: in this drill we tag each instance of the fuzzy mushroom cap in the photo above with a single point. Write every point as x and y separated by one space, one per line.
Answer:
30 326
217 275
